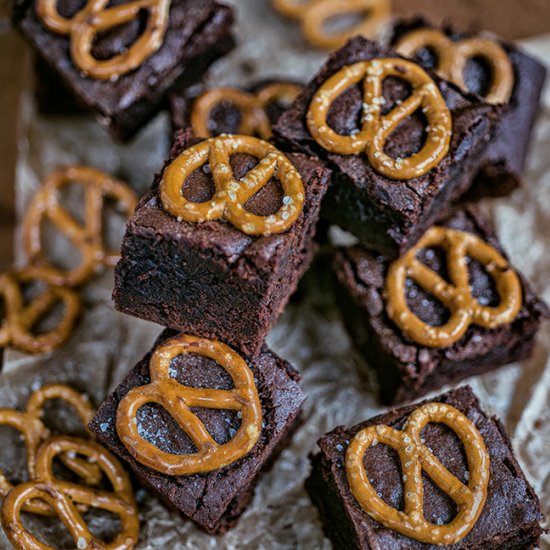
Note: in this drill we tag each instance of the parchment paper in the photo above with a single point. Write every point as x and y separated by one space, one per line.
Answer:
310 334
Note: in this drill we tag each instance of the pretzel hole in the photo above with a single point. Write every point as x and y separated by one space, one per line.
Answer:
427 57
269 199
225 118
50 531
114 218
482 285
60 417
72 198
384 472
345 22
50 320
111 42
57 249
13 458
69 8
199 186
103 524
478 75
440 508
345 113
276 108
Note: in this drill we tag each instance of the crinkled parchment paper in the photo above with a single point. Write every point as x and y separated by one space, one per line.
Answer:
310 334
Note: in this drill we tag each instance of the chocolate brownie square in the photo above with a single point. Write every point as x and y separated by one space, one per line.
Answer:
405 368
387 214
211 278
197 33
252 110
502 166
216 499
510 517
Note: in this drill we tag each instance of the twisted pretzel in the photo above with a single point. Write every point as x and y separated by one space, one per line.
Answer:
178 399
452 58
88 238
231 194
254 118
63 498
96 18
457 297
415 458
315 14
20 319
33 431
377 128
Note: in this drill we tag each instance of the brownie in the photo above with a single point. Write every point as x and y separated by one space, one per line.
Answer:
210 278
509 519
213 500
502 165
226 117
404 368
386 214
198 32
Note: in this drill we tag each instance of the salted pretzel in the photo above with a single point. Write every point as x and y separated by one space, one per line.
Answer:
456 296
231 194
417 458
252 106
65 498
20 319
453 56
178 400
33 431
315 14
95 18
376 127
88 239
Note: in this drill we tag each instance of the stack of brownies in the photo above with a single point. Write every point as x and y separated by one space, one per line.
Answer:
389 143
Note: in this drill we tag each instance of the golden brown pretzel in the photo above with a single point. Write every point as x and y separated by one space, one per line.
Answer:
87 239
417 458
17 326
254 118
376 127
456 296
178 400
95 18
33 431
64 498
314 15
452 58
231 194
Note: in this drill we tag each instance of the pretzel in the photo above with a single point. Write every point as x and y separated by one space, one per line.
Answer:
33 431
457 296
96 18
315 14
20 318
254 118
88 238
416 458
376 127
452 58
178 400
64 498
231 194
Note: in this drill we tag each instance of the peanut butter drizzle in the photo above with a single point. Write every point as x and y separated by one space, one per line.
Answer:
315 14
63 498
416 458
33 431
20 319
178 400
457 296
452 58
252 106
96 18
231 195
88 239
376 127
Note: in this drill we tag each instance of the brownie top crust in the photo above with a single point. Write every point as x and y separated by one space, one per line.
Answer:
364 276
183 40
205 497
220 239
472 123
511 503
